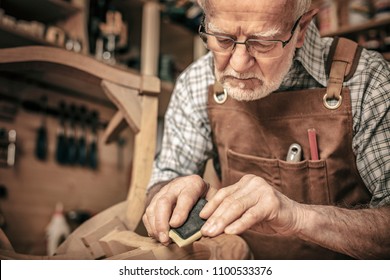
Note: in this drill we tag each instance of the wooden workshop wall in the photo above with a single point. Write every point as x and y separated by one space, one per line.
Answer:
34 187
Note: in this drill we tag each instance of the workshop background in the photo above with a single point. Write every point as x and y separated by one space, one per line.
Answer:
55 172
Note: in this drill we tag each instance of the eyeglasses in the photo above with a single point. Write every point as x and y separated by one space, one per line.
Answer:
257 48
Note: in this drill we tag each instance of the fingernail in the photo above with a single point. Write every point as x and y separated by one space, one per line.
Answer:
162 237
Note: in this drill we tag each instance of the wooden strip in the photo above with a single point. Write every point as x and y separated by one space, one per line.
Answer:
91 240
131 239
74 244
144 152
224 247
127 101
116 125
134 255
32 56
119 241
11 255
100 232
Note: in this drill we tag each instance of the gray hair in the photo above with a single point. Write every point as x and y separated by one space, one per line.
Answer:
301 7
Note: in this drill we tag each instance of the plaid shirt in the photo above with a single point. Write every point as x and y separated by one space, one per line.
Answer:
187 143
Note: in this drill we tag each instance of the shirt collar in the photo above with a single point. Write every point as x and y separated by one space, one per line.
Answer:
311 55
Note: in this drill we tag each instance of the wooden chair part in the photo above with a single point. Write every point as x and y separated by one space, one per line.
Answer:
111 233
131 93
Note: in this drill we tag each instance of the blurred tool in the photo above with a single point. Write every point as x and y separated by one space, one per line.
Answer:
7 147
3 195
61 148
110 31
11 155
93 145
57 230
71 136
76 217
82 141
41 142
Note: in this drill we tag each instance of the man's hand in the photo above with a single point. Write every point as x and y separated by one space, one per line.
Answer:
171 205
251 203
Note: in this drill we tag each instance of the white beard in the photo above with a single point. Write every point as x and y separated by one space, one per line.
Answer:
264 89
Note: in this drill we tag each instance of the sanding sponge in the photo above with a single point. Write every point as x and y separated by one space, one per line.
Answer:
190 230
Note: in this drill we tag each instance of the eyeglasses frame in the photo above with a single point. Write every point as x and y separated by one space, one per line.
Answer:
202 29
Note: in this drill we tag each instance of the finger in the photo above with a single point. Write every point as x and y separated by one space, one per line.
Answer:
195 188
183 207
215 201
147 225
227 212
163 213
152 210
211 192
245 222
150 221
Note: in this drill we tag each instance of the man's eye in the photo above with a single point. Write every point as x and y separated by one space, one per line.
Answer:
224 42
262 46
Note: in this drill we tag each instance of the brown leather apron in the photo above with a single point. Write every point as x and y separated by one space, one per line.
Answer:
254 137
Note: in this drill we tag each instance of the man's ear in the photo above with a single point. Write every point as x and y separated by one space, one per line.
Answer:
304 24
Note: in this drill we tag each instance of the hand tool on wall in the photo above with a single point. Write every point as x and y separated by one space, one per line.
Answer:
61 148
57 230
93 145
3 195
82 142
11 153
3 147
71 136
7 147
77 216
41 142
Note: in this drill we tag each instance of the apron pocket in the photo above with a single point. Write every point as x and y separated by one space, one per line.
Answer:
304 181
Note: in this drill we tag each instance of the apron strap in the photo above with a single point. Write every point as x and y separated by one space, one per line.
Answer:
341 65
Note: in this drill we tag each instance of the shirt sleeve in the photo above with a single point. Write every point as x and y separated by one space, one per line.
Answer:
372 131
186 143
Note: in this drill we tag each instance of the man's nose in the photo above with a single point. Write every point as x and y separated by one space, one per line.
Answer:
241 61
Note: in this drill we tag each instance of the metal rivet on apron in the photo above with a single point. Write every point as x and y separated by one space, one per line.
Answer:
220 97
332 106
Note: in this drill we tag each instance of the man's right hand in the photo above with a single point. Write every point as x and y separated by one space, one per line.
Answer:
171 205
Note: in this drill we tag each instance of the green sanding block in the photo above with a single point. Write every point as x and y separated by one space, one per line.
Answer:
190 230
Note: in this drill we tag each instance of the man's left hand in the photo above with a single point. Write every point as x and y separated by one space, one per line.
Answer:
251 203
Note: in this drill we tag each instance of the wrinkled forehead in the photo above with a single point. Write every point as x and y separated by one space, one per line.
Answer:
266 13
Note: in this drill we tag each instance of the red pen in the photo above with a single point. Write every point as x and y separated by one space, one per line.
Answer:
313 143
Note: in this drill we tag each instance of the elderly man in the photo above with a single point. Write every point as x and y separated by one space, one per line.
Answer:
269 79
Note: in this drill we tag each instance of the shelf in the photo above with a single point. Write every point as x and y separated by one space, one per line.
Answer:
14 38
69 72
45 11
120 4
358 28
